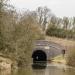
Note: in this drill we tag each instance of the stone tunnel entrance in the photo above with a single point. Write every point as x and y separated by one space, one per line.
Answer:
39 56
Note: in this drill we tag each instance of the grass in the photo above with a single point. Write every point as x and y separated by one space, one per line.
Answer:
63 42
59 59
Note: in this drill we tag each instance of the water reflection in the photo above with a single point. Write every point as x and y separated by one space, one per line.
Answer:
39 72
70 71
48 70
39 65
5 72
54 70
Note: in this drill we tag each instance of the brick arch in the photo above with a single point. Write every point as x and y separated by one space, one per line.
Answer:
51 49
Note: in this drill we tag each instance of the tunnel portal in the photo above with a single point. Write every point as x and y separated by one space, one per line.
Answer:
44 51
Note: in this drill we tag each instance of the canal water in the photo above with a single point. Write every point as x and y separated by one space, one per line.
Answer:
50 69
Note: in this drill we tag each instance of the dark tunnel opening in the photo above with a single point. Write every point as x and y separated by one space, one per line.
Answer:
39 59
39 56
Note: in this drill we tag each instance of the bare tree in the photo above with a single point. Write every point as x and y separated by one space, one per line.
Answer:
43 14
73 28
65 23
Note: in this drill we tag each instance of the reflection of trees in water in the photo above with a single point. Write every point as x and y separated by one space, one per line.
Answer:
70 71
5 72
24 71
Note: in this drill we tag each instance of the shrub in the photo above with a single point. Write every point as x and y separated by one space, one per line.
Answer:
71 57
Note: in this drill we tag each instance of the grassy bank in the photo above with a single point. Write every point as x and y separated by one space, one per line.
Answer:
59 59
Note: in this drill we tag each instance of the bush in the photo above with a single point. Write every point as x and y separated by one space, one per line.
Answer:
71 57
26 32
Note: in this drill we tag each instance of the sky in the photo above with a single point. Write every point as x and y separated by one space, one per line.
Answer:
60 8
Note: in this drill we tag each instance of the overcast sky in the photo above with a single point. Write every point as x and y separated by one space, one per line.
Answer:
59 7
